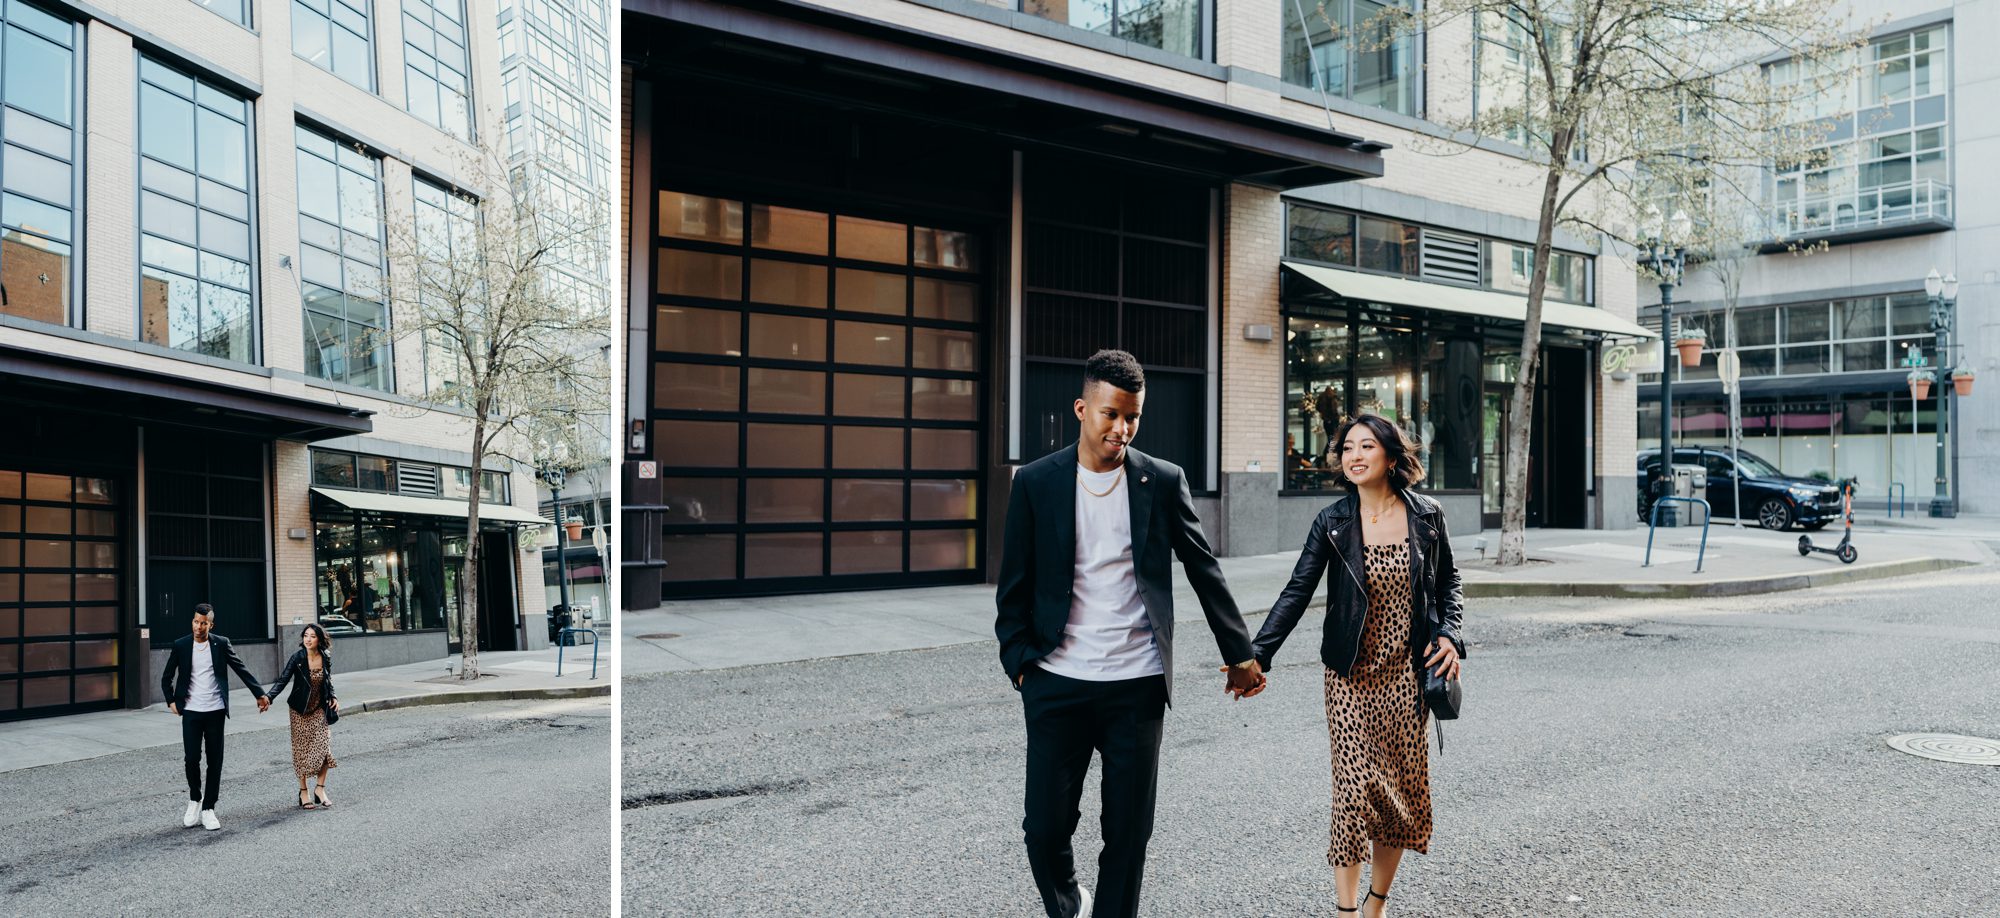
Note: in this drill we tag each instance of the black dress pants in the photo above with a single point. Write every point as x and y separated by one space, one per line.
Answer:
1067 719
203 729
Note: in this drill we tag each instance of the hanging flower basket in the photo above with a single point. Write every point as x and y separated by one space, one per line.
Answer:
575 530
1920 383
1690 342
1961 382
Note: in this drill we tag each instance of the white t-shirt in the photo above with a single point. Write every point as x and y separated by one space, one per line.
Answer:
204 687
1108 636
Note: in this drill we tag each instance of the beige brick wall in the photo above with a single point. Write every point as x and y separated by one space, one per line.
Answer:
110 296
1252 371
291 508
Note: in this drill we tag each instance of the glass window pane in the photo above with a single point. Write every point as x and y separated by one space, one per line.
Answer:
1862 318
872 552
1321 235
699 557
943 549
48 137
222 151
225 323
871 240
1804 323
1867 355
319 192
951 300
786 446
352 60
862 499
868 447
943 449
944 499
38 74
784 500
870 291
783 554
47 519
944 399
718 277
695 444
693 387
1756 327
787 337
169 308
699 500
1389 246
945 249
787 391
46 264
1909 314
333 469
46 552
788 230
698 331
856 395
785 283
36 174
693 216
868 342
166 127
48 487
309 35
1802 360
939 349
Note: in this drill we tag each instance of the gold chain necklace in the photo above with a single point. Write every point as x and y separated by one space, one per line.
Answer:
1114 484
1376 516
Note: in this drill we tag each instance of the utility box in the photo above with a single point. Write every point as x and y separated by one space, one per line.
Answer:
1690 481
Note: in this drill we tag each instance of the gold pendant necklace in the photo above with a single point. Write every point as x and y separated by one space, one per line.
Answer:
1376 516
1113 487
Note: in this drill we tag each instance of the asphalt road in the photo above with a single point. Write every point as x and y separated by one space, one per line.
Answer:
498 808
1617 757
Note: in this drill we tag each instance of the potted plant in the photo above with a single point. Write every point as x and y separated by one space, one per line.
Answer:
1961 381
1689 342
574 530
1920 380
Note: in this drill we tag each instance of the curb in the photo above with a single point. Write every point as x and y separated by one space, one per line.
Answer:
1698 589
413 701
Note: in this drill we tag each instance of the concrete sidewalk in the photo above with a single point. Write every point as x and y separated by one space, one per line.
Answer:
722 633
510 675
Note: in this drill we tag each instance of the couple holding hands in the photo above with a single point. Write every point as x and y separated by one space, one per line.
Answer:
1085 622
196 685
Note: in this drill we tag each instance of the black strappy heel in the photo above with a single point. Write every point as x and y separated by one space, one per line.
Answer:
1372 892
304 802
1354 909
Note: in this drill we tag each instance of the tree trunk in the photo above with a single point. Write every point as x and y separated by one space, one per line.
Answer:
1520 410
468 572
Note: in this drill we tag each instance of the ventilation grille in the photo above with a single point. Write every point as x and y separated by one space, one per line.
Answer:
420 480
1449 258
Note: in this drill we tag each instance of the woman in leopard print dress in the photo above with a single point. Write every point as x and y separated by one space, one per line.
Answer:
1393 606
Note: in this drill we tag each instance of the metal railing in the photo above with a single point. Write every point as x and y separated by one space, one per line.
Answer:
1861 209
560 644
1894 504
1706 513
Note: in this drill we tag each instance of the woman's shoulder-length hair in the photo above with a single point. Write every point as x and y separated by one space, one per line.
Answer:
1405 470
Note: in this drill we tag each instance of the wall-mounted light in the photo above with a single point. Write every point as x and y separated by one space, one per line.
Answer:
1257 333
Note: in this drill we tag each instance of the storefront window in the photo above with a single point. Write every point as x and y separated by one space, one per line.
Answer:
378 574
1317 352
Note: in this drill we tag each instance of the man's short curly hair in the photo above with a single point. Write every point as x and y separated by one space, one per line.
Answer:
1115 367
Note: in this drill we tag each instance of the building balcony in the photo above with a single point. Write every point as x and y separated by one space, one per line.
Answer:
1883 212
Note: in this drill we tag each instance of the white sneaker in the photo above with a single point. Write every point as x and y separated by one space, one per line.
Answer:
1083 895
193 814
208 820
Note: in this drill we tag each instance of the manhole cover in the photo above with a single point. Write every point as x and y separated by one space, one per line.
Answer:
1949 747
661 636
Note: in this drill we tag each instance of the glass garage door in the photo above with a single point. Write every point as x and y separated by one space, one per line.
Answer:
59 568
817 398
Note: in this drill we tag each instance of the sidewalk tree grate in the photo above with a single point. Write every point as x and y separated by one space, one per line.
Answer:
1949 747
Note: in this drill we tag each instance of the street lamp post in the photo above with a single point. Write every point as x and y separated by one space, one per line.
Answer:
1943 294
1666 259
552 474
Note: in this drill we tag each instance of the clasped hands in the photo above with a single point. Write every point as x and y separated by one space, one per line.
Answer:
1244 680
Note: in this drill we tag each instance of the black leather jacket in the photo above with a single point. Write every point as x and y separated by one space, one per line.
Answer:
1436 595
302 689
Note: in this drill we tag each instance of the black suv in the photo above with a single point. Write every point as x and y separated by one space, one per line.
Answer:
1774 499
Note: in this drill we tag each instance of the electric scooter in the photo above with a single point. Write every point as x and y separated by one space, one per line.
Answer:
1845 550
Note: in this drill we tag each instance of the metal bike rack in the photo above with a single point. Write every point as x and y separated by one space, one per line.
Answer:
1895 486
560 643
1706 512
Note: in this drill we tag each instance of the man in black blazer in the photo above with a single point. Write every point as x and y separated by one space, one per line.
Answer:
1086 628
196 683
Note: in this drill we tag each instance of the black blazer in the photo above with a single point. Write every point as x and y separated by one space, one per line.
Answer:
179 672
1437 597
1038 560
302 689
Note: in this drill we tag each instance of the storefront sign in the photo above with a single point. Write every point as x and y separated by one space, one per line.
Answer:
1624 358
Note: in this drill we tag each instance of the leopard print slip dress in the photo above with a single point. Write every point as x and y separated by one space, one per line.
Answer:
1381 762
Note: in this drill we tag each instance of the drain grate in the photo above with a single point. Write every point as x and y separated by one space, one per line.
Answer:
659 636
1949 747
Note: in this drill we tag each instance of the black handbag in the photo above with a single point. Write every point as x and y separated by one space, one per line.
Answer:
333 714
1442 695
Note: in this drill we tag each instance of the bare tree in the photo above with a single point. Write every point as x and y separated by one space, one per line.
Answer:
508 341
1614 100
